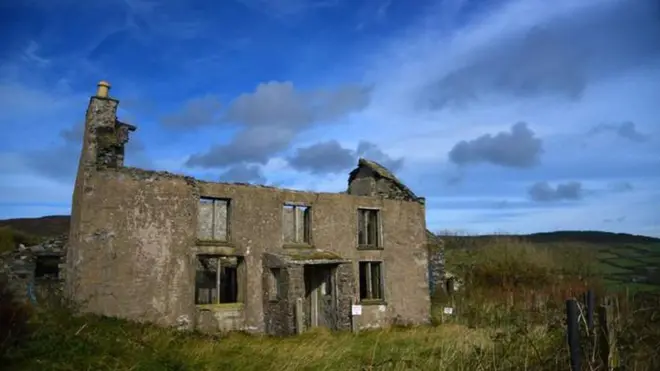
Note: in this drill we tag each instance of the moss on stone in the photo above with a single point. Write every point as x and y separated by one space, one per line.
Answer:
315 255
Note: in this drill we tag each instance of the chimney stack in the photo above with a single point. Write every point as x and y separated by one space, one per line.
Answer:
102 89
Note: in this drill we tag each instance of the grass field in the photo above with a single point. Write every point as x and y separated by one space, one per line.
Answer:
508 316
632 265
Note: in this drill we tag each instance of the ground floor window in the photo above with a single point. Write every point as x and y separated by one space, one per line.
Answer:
218 280
371 280
47 266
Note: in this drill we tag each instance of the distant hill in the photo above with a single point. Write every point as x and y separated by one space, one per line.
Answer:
47 226
56 225
596 237
592 237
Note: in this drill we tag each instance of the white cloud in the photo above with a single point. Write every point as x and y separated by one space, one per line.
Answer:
492 76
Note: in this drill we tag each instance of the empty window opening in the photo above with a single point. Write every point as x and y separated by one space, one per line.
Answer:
213 219
47 267
217 279
368 228
276 289
371 281
296 222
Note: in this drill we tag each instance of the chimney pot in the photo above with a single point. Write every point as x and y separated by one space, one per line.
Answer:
102 89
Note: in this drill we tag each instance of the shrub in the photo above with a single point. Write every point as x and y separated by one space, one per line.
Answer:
10 238
505 262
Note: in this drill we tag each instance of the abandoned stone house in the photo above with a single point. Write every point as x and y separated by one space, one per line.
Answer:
176 251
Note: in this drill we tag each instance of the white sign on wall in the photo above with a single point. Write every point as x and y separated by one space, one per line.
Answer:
356 310
448 310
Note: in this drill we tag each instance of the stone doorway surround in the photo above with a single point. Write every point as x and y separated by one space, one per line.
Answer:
323 282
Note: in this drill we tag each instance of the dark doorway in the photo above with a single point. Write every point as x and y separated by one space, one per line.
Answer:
47 267
320 296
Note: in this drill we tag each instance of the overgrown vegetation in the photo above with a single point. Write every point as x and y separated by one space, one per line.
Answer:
10 238
508 315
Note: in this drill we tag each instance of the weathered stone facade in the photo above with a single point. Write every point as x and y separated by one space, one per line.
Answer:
372 179
176 251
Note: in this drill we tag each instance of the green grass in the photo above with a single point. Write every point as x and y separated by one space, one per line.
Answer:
616 262
91 342
620 263
508 317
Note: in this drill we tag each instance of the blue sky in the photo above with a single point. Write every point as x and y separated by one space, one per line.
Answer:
509 116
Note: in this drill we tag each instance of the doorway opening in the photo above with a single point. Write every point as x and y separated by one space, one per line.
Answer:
320 296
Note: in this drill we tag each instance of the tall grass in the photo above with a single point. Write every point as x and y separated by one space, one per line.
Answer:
508 316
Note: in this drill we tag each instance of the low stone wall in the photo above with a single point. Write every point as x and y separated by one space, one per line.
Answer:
436 263
32 269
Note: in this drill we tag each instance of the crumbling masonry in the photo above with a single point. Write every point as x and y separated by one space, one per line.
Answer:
176 251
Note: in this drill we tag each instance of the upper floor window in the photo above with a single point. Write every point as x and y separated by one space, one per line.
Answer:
296 228
213 219
369 234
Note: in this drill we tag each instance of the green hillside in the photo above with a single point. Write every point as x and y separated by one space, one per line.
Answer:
623 260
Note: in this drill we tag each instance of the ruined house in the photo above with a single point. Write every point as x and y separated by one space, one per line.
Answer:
169 249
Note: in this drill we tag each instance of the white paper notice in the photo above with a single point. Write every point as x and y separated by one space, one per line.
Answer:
356 310
448 310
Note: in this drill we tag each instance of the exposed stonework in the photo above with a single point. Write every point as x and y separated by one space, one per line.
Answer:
33 269
172 250
437 273
373 179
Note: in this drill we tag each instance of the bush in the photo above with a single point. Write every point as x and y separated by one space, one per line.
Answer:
10 239
507 262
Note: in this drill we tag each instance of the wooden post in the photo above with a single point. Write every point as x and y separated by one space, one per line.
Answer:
573 334
300 321
590 303
613 313
603 337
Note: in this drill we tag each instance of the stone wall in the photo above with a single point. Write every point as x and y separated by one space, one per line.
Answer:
33 270
278 315
130 251
436 263
345 280
367 182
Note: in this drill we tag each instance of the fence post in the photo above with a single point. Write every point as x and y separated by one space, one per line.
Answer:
603 337
609 353
590 303
573 334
